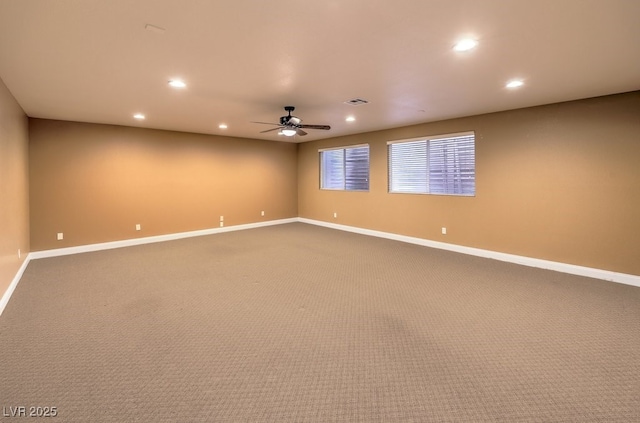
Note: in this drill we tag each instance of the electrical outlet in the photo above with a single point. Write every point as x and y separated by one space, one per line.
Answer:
221 224
221 219
262 213
335 215
444 230
138 227
60 236
19 255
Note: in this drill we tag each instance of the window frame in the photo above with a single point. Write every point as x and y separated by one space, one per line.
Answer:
428 139
344 167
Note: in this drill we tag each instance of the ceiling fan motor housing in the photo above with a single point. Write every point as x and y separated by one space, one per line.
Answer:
290 120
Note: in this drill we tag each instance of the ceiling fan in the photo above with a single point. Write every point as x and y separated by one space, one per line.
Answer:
291 125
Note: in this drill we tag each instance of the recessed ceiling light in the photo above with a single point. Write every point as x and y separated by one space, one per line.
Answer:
350 119
515 83
176 83
138 116
465 44
222 126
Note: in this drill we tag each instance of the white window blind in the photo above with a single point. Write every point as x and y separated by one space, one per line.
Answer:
345 168
332 169
442 164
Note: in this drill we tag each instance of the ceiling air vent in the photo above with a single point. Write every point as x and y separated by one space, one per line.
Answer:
356 101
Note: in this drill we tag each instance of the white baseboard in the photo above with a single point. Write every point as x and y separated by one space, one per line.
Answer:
606 275
151 239
14 283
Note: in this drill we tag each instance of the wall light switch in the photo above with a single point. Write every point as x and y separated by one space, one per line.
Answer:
221 219
444 231
60 236
335 215
137 227
262 213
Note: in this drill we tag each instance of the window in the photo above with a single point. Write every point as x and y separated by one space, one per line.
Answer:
443 164
345 168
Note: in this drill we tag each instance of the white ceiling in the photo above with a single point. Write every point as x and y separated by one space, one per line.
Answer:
243 60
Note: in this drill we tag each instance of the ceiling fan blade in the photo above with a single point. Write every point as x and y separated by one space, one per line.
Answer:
272 129
267 123
300 132
325 127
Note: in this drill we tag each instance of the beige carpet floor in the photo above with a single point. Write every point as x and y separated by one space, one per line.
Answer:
298 323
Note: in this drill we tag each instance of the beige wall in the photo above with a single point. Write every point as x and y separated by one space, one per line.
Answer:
558 182
94 183
14 187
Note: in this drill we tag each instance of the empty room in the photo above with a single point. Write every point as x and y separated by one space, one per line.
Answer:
330 211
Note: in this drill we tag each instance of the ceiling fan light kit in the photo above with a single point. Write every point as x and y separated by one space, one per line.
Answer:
289 132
